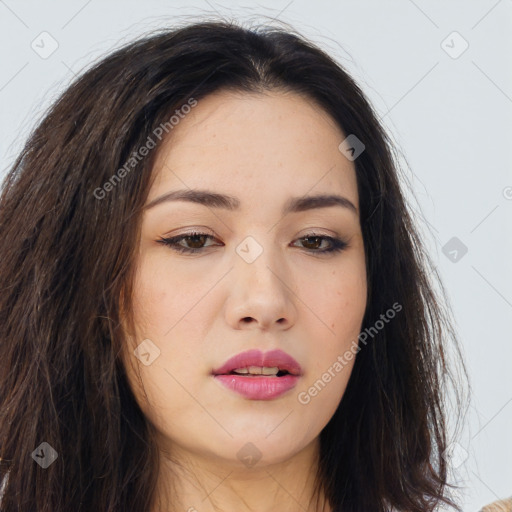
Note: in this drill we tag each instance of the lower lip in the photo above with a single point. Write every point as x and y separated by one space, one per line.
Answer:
259 388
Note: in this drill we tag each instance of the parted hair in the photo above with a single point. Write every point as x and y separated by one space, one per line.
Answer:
67 259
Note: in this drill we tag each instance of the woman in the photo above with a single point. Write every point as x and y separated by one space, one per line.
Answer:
213 294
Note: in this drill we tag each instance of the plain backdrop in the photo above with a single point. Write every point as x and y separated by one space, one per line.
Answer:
438 74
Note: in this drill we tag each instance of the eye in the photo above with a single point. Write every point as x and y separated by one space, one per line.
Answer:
195 241
313 241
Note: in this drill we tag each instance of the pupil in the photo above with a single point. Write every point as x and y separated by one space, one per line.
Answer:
195 237
315 238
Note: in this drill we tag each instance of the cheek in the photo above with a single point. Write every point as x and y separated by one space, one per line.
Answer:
164 304
164 388
165 299
339 301
339 306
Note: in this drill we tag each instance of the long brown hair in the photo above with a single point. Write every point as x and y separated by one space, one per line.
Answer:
67 257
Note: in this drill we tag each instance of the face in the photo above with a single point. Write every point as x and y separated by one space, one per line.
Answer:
265 270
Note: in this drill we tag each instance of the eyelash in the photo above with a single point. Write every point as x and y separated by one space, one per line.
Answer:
337 245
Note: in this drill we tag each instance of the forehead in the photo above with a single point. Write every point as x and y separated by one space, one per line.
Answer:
273 143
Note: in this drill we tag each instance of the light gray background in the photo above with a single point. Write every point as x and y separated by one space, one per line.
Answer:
451 118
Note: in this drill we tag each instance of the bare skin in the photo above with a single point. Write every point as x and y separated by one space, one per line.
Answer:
201 309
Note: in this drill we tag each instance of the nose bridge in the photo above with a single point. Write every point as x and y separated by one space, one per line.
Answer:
259 261
260 289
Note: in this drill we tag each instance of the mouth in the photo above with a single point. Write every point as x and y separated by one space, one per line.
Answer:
254 363
257 371
259 376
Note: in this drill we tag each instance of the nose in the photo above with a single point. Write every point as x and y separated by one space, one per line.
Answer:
261 294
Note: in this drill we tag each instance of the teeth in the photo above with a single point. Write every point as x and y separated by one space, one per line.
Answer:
257 370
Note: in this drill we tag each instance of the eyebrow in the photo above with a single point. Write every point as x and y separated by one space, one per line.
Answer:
227 202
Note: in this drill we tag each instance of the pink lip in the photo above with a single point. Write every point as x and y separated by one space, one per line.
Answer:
259 387
257 358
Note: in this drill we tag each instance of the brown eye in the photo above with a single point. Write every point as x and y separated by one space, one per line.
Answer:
195 242
313 243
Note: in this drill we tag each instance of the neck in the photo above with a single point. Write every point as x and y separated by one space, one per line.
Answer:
200 483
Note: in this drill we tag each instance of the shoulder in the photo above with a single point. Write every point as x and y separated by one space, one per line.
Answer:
498 506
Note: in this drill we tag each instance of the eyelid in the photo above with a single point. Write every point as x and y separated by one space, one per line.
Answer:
337 243
198 231
193 230
312 231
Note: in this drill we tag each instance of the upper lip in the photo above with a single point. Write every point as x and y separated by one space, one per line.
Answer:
255 357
